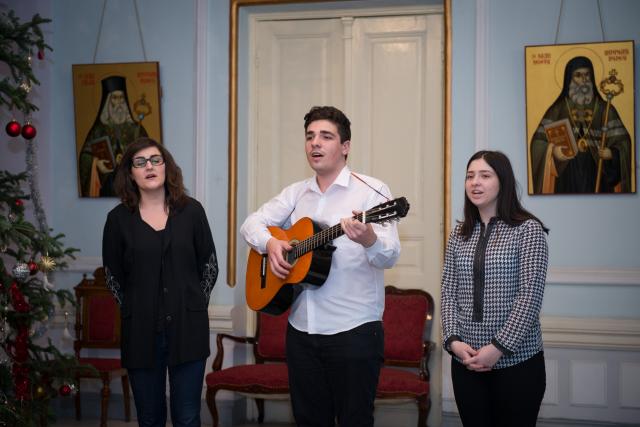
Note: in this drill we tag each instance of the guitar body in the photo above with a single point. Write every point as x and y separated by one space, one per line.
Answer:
272 295
310 257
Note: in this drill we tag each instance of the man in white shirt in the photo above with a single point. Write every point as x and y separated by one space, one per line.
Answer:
335 340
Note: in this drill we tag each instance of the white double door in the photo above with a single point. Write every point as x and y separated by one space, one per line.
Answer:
386 74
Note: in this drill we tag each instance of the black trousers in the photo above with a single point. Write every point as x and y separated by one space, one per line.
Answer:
334 377
506 397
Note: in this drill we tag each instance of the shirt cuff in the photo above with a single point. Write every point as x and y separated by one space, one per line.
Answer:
261 242
374 249
447 343
502 348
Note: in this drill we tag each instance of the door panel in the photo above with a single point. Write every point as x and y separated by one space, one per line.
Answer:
397 121
386 74
391 68
298 64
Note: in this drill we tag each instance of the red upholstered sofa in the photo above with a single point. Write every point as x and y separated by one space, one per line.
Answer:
407 320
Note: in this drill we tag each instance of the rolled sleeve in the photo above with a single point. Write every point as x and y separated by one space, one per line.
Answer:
386 249
533 271
274 212
448 293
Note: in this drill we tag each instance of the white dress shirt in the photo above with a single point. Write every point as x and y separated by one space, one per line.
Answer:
353 293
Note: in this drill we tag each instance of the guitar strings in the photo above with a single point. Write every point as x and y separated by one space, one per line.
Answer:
313 242
335 231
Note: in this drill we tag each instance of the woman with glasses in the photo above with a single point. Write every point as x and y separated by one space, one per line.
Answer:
160 264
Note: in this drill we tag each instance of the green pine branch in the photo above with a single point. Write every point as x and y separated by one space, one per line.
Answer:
17 41
20 242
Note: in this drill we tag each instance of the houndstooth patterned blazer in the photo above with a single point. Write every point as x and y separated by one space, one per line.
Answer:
492 288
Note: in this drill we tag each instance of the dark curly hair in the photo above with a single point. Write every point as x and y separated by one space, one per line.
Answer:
127 189
508 207
332 114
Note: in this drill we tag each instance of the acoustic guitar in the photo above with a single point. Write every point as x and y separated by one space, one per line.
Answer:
310 257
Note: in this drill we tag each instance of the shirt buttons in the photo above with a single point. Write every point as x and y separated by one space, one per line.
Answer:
168 318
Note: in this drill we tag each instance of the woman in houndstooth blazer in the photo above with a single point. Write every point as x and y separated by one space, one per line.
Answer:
492 288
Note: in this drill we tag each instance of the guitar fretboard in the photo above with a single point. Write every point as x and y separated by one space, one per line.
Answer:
319 239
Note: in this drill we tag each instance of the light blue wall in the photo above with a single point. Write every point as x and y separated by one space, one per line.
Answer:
586 231
167 29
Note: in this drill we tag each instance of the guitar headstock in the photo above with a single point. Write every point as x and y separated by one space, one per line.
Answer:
386 212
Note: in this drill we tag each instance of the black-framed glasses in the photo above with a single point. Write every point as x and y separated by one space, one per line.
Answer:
140 162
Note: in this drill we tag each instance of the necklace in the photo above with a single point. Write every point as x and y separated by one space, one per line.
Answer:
586 116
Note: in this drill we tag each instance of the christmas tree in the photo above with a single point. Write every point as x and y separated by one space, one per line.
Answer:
31 373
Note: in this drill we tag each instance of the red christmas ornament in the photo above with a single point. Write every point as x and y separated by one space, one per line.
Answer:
19 203
65 389
33 267
28 131
40 54
13 128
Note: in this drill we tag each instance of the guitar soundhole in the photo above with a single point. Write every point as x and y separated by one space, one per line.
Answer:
290 256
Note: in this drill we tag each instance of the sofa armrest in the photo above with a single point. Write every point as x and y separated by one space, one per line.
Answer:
217 362
427 348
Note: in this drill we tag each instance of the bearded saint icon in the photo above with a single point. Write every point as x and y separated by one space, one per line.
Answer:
554 170
113 129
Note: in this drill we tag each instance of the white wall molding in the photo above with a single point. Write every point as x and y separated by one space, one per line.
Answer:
83 264
58 320
340 13
591 333
555 275
220 318
200 99
593 276
482 76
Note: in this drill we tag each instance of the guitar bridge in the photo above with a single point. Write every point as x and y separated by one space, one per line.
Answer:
263 271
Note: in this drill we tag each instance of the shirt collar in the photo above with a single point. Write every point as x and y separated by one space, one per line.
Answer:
342 180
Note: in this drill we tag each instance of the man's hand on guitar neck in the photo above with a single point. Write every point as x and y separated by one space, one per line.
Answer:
358 232
275 250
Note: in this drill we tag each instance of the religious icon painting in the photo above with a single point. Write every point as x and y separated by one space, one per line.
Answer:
114 105
580 118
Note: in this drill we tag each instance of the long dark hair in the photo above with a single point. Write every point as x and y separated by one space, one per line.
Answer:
127 189
508 207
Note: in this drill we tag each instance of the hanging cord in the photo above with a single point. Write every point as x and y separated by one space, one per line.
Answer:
560 16
95 51
144 52
367 184
558 24
600 16
135 6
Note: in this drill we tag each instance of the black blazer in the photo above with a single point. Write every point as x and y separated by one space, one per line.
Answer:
138 269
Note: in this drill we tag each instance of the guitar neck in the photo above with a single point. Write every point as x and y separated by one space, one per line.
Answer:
320 239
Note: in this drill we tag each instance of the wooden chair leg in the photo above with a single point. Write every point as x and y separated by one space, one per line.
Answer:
76 399
211 403
260 403
424 405
125 396
105 401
